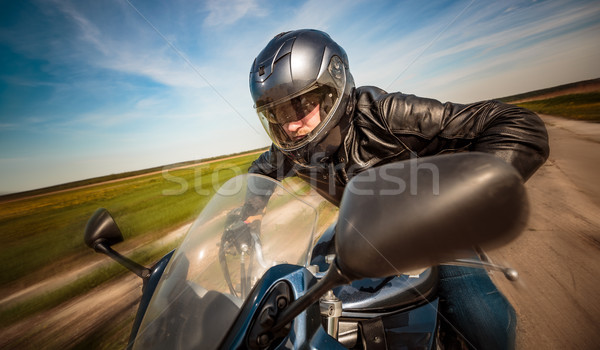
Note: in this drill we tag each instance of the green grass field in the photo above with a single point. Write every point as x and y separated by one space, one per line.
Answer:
565 89
577 106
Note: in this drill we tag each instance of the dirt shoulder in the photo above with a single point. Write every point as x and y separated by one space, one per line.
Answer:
109 306
96 261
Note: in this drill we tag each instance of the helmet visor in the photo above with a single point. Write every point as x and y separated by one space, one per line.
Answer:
294 122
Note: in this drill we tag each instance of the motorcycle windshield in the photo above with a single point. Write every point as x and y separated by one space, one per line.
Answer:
227 249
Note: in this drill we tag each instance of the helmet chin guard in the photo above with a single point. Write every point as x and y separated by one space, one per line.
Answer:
301 86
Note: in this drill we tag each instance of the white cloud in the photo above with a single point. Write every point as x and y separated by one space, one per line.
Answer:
144 51
473 58
499 32
7 126
229 12
88 31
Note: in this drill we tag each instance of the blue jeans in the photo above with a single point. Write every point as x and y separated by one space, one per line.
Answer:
475 308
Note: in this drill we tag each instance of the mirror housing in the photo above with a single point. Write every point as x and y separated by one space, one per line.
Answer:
425 211
102 228
101 231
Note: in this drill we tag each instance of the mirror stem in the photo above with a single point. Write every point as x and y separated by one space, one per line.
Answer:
332 278
509 273
139 270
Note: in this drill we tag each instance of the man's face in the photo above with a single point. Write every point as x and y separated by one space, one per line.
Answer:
298 129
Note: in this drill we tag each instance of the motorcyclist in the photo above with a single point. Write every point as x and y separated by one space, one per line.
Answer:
325 131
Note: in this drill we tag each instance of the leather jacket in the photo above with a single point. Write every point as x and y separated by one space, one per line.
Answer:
389 127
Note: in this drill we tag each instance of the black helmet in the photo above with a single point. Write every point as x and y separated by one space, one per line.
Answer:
301 86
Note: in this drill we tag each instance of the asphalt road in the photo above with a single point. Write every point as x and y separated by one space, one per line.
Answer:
557 297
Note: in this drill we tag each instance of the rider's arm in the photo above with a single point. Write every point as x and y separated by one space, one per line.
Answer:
273 164
429 127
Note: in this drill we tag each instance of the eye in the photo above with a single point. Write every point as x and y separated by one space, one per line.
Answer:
309 104
286 118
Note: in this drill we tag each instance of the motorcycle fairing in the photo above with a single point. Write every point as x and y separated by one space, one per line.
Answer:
147 292
306 327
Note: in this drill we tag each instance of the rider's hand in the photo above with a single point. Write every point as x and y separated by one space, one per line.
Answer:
253 219
238 230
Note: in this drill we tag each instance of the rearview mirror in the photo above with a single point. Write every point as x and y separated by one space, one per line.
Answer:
102 228
101 232
421 212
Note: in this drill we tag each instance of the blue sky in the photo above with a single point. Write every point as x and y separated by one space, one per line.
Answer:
90 88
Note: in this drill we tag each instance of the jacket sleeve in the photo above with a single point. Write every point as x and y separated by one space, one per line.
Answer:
514 134
428 127
273 163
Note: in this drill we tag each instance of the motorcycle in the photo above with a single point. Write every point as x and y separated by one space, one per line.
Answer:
367 282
